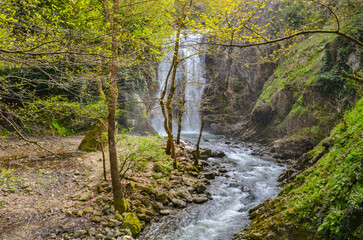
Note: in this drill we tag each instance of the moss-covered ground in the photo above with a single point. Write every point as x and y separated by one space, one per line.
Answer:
326 200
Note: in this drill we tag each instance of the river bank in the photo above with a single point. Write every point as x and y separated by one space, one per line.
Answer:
245 178
65 197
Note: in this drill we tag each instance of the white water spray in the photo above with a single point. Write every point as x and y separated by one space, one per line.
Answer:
190 72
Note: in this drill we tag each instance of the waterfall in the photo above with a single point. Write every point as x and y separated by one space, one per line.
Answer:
189 74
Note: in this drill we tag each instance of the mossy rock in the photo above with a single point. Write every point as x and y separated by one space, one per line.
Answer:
149 190
91 142
132 222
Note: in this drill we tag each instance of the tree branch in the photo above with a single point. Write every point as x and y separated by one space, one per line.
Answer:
23 137
354 77
359 43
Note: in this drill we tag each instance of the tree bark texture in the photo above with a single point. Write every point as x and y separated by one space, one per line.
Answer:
118 195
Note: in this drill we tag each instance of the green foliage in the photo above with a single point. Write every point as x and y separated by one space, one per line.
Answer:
293 14
327 198
138 153
62 131
4 133
331 83
298 110
331 80
58 113
297 68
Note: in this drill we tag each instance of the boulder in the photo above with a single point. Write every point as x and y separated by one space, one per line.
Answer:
88 210
210 175
97 219
84 197
200 200
132 222
188 181
222 170
126 238
205 153
165 212
162 197
185 194
91 142
218 154
179 203
201 188
79 233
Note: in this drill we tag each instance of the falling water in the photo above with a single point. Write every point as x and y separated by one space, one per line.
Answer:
189 74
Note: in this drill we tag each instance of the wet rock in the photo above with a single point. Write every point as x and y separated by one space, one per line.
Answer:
179 203
205 153
201 188
189 149
234 185
204 163
185 194
126 238
218 154
165 212
200 200
223 170
144 217
210 175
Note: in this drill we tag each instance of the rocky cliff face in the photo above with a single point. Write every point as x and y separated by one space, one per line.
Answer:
291 104
137 89
236 77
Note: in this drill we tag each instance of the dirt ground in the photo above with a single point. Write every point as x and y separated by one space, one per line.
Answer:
39 190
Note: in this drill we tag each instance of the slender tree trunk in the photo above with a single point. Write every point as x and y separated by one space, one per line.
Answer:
180 114
168 112
102 126
197 154
118 195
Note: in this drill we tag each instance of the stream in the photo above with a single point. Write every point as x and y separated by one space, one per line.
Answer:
250 180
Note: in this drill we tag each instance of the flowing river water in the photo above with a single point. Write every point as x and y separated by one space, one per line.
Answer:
250 180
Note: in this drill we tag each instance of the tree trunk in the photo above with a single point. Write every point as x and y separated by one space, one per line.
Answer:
180 114
118 195
197 153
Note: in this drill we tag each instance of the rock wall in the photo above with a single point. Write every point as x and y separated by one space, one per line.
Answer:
291 104
137 87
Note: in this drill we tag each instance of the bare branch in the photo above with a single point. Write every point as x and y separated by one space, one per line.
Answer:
359 43
23 137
